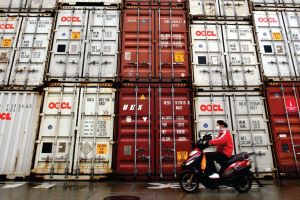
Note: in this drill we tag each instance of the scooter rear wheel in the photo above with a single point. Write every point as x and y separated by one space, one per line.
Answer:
189 181
244 183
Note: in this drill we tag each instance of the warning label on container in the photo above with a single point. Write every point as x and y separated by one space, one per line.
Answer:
6 42
179 57
291 105
276 36
76 35
181 156
101 149
127 55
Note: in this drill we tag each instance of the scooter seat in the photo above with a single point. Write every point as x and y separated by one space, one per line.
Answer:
235 158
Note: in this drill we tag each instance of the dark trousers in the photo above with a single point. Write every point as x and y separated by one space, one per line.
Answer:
214 156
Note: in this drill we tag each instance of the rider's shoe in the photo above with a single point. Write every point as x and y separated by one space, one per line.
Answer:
214 175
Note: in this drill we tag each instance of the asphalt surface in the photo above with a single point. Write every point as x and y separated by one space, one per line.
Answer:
288 189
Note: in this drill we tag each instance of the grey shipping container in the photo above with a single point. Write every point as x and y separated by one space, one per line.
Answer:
27 5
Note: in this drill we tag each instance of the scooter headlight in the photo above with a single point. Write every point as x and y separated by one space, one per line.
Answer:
193 153
189 162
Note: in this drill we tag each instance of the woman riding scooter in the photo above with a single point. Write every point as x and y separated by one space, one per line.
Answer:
224 148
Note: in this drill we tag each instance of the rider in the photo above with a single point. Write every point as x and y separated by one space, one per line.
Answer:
224 148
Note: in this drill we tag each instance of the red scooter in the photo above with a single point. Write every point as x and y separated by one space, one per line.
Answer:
233 173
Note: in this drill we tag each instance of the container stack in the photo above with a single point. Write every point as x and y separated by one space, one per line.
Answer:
25 28
226 77
154 111
77 116
277 26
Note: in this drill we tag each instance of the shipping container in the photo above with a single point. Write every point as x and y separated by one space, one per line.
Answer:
224 55
274 49
24 49
90 2
261 4
85 46
27 5
219 9
154 45
154 129
76 132
19 114
283 102
176 4
247 121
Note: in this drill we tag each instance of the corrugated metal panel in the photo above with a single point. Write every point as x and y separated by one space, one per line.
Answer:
19 112
27 5
227 9
276 59
154 47
224 54
283 102
276 3
31 56
180 4
246 117
90 35
76 132
154 129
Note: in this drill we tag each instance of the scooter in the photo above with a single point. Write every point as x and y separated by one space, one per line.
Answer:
233 173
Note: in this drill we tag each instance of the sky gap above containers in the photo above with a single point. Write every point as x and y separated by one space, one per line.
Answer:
284 110
85 45
24 49
19 118
278 34
246 116
154 46
219 9
154 129
76 132
27 5
223 55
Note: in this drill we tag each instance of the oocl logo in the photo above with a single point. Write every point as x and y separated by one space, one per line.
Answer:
70 19
211 107
5 116
58 105
267 19
6 26
205 33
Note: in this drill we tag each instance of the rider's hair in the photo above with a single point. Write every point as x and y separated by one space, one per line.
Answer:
222 123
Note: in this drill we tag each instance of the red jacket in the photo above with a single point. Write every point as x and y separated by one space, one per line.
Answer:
223 143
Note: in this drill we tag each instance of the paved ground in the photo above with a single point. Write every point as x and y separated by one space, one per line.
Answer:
288 190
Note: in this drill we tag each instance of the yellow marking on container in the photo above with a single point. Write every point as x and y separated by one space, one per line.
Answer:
179 57
6 42
276 36
75 35
101 149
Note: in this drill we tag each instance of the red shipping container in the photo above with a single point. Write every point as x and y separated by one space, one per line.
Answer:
154 45
150 117
159 3
284 109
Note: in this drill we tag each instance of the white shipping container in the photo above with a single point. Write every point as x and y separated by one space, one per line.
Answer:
276 59
228 9
19 114
246 117
76 136
104 2
224 54
276 3
85 50
27 5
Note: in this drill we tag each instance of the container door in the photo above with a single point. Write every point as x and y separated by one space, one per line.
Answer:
203 8
251 129
54 154
242 64
41 4
68 47
9 29
12 4
32 49
93 148
234 9
102 48
275 55
135 131
174 129
207 56
137 58
171 49
19 114
209 108
292 24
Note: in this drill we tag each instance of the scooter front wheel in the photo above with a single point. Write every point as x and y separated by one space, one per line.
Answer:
189 181
244 183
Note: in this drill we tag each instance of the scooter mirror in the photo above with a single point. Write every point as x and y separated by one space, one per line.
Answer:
199 135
